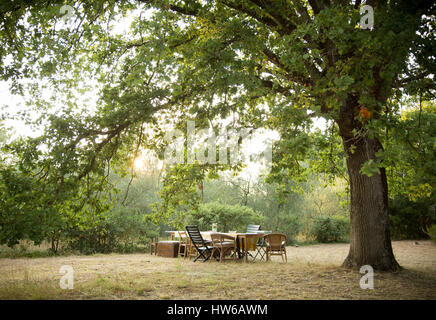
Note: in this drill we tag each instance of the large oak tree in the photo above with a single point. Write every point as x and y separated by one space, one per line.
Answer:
274 64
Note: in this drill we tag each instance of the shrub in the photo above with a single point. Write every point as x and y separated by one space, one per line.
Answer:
291 226
121 230
227 217
90 240
329 229
408 219
22 252
431 232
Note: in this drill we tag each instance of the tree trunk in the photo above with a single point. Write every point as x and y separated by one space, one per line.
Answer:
370 242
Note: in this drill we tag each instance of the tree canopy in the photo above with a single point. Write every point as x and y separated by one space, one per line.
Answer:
262 64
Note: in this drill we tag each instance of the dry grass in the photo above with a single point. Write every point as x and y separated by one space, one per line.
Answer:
312 272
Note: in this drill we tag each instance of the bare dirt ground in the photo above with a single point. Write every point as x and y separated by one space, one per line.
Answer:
312 272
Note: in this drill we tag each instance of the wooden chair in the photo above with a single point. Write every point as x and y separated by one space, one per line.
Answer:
183 244
275 245
203 247
153 245
223 244
192 251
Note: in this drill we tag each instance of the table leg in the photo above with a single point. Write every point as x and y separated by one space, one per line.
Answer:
239 249
245 249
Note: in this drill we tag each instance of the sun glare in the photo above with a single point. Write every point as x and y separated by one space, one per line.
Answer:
147 162
139 163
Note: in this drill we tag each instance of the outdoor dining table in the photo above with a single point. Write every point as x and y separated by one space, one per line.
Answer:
173 234
245 238
242 240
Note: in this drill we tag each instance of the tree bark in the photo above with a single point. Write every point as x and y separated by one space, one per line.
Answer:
370 242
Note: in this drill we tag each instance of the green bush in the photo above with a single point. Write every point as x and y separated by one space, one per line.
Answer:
227 217
23 252
408 219
329 229
122 230
291 226
90 240
431 232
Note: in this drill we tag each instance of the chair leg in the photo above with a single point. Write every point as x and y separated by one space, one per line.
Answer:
199 256
193 251
209 255
153 248
217 255
186 252
213 252
224 253
206 257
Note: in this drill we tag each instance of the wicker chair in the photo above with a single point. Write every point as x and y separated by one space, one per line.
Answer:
276 245
223 244
203 247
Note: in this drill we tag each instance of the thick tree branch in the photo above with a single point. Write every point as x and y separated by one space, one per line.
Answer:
269 21
292 76
280 16
401 82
